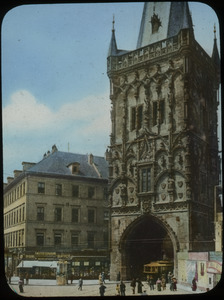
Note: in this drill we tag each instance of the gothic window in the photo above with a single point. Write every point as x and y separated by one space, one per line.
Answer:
133 118
156 23
145 179
154 117
162 111
139 116
136 117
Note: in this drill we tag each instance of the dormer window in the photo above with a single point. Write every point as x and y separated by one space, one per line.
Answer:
74 168
156 23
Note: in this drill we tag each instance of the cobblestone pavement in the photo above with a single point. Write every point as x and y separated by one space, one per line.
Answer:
89 289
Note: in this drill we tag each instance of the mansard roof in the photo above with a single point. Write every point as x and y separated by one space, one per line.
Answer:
58 163
162 20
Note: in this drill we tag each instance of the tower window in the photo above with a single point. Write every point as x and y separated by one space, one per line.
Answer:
145 179
136 117
133 118
154 118
139 116
162 111
156 23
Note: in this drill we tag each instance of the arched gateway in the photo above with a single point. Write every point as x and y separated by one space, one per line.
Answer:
163 157
146 239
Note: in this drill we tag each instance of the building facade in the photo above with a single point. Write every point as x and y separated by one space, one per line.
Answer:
163 154
57 209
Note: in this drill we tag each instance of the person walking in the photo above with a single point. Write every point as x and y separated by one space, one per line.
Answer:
140 285
80 284
118 289
21 283
174 283
151 283
163 283
194 285
102 289
158 284
122 288
133 285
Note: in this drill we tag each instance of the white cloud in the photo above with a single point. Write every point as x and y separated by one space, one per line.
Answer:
27 113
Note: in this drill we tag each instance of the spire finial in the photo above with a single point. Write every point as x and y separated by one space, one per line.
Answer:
214 31
113 22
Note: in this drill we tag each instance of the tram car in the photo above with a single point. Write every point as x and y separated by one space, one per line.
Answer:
156 269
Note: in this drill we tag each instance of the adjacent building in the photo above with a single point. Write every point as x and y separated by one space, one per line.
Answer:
164 164
57 209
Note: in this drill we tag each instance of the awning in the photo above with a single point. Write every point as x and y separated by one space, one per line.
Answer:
37 263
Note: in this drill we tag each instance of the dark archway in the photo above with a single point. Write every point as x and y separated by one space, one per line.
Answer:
144 241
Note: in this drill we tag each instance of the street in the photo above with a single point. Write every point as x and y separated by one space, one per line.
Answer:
48 288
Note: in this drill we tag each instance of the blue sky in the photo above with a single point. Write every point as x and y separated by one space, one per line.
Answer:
55 88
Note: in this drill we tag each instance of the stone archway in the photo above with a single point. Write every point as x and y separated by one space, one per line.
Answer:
146 239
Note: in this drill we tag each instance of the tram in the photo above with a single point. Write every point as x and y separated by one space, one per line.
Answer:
157 268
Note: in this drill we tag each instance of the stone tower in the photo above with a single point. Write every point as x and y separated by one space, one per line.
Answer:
163 154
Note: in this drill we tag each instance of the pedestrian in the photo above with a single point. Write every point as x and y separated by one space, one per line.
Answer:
118 289
103 277
133 285
158 284
169 277
80 284
194 284
27 278
21 283
140 285
174 284
163 283
122 288
102 289
151 283
100 279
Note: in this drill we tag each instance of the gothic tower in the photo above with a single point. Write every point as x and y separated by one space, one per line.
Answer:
163 154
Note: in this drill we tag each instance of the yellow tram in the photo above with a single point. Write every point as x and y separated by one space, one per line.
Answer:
157 268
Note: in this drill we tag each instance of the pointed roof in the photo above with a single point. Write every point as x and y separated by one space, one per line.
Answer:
215 52
162 20
113 44
215 55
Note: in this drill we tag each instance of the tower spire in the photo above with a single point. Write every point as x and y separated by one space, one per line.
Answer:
113 45
215 55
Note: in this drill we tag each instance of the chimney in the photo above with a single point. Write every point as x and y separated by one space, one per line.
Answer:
27 165
9 179
90 159
17 173
54 149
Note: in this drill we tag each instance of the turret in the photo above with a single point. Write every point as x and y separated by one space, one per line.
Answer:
113 45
